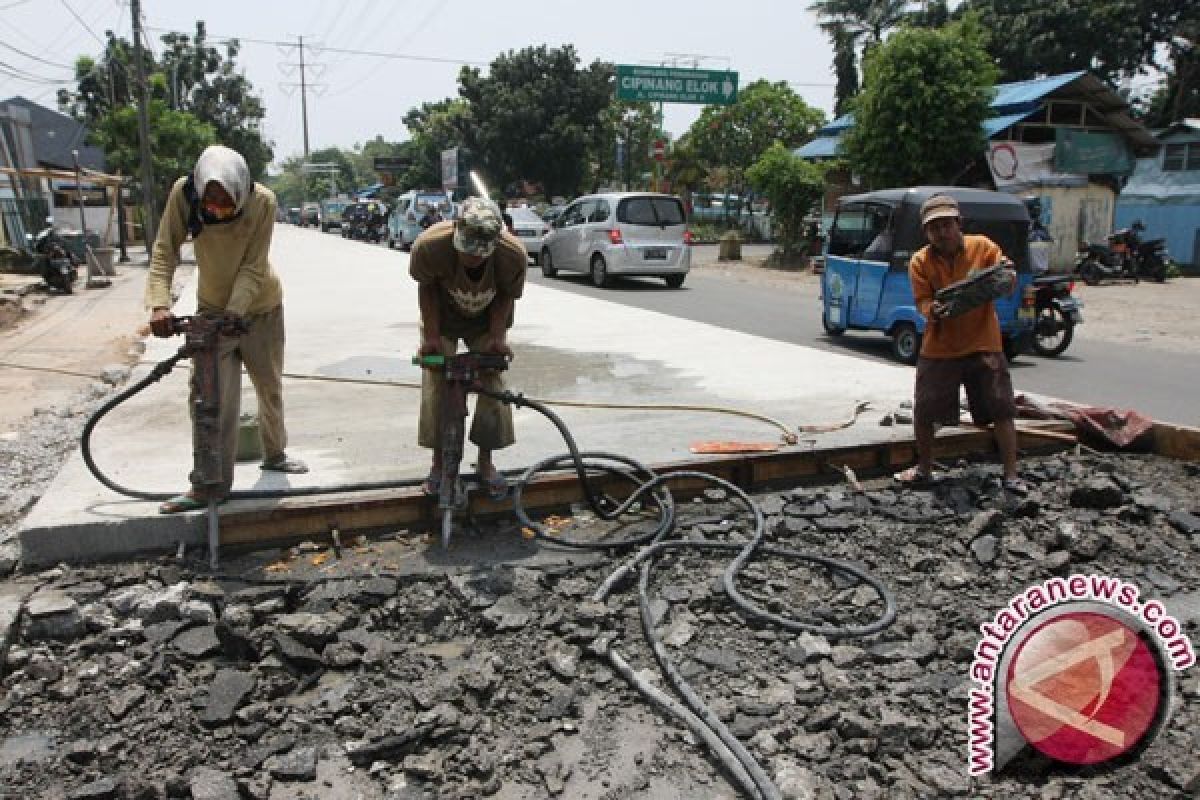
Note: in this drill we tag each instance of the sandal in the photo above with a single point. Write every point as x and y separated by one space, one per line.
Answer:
293 466
496 485
1015 486
181 503
915 477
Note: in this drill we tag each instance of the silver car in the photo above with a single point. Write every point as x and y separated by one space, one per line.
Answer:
530 229
620 233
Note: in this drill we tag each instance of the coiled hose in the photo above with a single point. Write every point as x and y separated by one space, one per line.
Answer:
649 489
694 713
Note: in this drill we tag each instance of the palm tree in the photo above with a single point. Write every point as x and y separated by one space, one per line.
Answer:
851 23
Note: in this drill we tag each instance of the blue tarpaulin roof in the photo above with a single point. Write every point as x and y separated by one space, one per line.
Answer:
1025 95
996 124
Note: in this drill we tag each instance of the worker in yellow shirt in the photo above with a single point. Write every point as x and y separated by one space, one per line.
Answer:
230 220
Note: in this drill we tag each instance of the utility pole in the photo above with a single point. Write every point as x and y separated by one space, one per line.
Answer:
150 207
304 67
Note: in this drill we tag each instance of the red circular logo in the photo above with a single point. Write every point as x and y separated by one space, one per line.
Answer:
1084 688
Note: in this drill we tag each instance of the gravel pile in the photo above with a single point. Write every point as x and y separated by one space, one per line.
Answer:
155 679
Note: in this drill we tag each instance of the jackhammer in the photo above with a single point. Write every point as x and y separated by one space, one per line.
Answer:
462 374
202 334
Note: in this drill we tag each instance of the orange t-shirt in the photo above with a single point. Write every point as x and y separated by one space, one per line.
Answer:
976 331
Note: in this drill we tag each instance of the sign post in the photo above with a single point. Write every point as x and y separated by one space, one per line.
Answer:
674 85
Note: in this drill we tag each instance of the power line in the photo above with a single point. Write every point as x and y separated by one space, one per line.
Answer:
36 58
79 19
20 74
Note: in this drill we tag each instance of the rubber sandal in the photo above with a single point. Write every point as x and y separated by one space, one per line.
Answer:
914 478
1015 486
496 486
432 485
182 503
292 466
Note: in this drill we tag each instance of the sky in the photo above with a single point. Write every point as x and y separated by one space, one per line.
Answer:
357 96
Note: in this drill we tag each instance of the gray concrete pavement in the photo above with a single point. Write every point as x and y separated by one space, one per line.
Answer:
351 312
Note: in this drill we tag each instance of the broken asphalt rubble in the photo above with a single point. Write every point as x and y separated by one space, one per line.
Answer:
156 679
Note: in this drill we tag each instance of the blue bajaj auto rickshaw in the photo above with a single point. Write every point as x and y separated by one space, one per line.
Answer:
865 284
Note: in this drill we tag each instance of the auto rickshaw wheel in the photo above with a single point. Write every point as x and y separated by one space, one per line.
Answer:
829 327
906 342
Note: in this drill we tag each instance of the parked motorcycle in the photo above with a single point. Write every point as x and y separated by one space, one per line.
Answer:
55 263
1058 312
1124 257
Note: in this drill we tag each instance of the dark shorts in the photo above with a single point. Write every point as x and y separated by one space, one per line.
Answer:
985 377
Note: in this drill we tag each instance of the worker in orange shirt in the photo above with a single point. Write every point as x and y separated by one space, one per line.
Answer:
965 350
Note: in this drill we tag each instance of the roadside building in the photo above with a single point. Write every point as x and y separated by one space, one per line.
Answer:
37 172
1068 140
1164 193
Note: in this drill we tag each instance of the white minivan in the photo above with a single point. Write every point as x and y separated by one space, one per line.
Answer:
404 223
620 233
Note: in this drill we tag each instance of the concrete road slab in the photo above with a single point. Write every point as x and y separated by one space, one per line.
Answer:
351 312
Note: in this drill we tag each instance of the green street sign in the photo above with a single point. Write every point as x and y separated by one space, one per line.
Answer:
673 85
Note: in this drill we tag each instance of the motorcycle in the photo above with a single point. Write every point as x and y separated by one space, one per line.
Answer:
1058 312
1125 257
57 265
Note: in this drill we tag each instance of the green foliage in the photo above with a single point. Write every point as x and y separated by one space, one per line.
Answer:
685 170
1109 38
1178 97
209 84
176 140
737 135
919 118
434 127
794 187
537 116
635 126
196 93
855 26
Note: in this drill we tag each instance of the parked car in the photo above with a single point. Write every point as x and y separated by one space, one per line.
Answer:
293 215
310 214
865 284
530 229
331 214
551 213
404 222
620 233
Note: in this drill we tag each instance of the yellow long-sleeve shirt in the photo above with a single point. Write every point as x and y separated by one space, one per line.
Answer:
235 274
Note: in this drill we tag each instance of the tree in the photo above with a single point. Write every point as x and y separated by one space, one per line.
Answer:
1109 38
536 116
1178 97
685 171
176 140
855 25
211 86
632 127
196 94
794 187
737 135
434 127
919 117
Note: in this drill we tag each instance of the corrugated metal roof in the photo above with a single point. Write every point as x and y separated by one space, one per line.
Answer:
842 123
1149 183
1020 94
996 124
822 147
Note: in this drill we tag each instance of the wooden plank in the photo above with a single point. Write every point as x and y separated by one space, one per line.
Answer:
315 515
1177 441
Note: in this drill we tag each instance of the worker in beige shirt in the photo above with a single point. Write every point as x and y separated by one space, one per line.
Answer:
230 219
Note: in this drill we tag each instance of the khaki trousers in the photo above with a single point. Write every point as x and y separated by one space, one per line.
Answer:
260 350
492 425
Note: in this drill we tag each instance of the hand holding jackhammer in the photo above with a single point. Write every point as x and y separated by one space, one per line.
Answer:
164 324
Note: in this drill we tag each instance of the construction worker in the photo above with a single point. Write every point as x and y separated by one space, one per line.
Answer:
230 220
470 274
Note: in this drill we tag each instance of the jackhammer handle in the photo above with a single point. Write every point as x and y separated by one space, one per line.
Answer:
431 360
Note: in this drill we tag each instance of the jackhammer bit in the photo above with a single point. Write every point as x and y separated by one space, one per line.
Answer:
202 333
462 375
